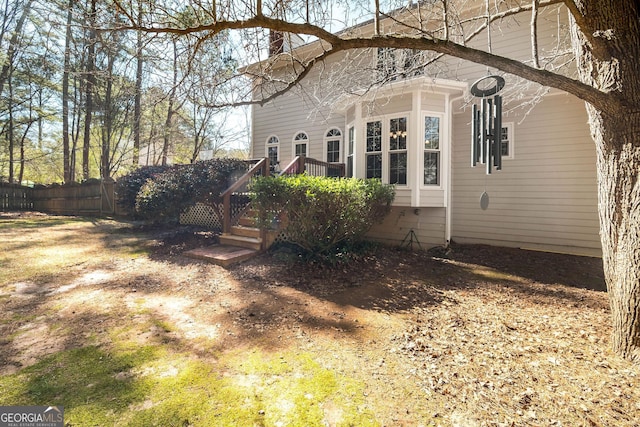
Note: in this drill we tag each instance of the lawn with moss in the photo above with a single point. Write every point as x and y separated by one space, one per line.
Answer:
108 319
102 375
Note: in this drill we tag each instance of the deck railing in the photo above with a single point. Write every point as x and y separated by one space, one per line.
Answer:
314 167
241 186
235 199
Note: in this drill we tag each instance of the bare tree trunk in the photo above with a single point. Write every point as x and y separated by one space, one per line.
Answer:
615 128
23 139
13 43
107 121
75 125
65 98
619 206
170 108
137 109
10 126
90 70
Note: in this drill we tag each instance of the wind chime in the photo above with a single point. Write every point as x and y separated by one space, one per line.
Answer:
486 123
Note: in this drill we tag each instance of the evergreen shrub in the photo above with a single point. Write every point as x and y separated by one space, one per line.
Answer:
165 194
128 186
320 214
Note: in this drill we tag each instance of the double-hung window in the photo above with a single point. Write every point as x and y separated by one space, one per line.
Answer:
432 150
398 151
374 149
386 157
333 138
273 143
351 135
300 143
506 145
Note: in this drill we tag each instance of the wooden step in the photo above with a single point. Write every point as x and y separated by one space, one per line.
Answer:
240 230
223 255
247 221
242 241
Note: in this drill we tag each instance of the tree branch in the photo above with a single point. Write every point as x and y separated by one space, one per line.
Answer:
342 42
543 77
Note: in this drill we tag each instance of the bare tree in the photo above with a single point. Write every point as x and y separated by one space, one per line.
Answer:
89 86
137 111
606 44
171 107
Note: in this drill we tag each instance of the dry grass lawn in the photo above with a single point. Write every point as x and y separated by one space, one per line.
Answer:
109 320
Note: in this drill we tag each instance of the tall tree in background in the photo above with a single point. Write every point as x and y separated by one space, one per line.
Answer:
171 104
7 70
206 75
89 82
68 172
9 59
606 45
137 111
102 83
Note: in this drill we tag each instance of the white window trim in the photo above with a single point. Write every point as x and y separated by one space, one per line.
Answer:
510 132
340 140
295 142
268 145
385 119
366 153
444 151
404 150
345 148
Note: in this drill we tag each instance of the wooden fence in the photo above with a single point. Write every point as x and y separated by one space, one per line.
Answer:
14 197
92 199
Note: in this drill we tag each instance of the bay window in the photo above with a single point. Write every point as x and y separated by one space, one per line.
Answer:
432 154
398 151
374 149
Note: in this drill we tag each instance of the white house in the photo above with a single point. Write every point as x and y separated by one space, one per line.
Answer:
386 114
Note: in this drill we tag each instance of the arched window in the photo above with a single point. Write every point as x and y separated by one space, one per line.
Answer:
301 144
273 144
333 143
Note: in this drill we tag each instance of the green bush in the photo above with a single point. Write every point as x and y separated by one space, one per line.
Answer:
319 214
165 195
129 185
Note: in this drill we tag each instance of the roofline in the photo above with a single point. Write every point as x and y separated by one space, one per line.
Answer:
424 83
309 45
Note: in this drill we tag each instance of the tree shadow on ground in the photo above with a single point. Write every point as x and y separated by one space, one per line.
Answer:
542 267
394 280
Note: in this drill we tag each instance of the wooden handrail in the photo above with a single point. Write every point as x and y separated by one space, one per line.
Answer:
294 166
261 166
299 165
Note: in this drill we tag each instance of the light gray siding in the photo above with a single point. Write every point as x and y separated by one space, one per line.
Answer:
295 111
285 117
545 198
428 224
388 105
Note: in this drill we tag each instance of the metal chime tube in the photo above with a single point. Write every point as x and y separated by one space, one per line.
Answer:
489 148
475 134
483 131
486 124
497 134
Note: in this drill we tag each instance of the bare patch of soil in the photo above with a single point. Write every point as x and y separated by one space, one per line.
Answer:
474 335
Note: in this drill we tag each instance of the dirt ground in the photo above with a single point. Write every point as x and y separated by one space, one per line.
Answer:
469 336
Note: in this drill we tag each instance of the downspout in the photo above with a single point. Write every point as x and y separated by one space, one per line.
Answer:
448 216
